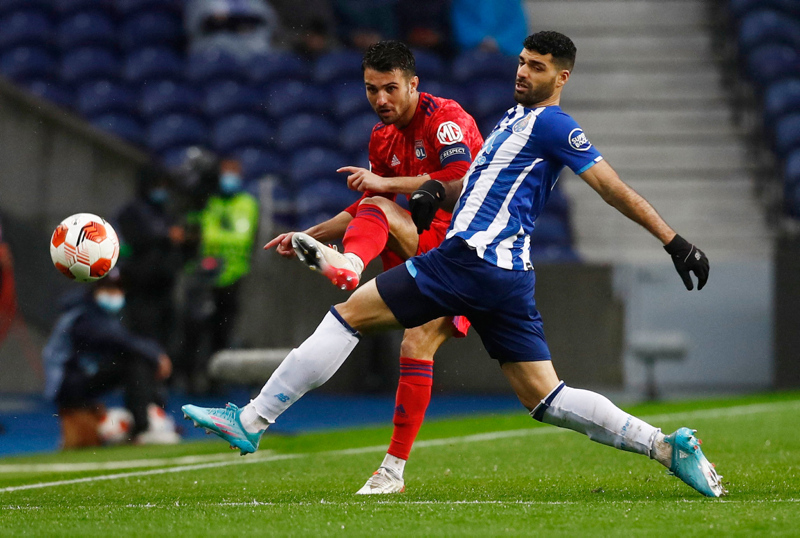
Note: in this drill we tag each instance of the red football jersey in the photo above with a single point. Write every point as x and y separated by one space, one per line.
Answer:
441 140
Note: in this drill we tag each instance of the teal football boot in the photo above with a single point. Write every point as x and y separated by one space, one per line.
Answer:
690 464
224 422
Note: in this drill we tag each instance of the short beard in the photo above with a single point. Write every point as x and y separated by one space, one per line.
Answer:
534 96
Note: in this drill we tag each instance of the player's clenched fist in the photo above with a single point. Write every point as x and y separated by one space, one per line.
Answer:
282 244
362 180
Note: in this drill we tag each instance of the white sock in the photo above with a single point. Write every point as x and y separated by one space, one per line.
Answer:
358 263
252 422
396 465
595 416
307 366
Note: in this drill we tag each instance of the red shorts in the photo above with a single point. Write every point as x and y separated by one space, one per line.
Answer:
428 240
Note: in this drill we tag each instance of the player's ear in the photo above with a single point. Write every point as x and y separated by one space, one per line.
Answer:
562 78
414 83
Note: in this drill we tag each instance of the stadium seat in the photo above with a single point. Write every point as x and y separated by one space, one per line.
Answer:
104 97
167 97
306 130
787 134
782 97
338 66
176 130
740 8
268 68
543 254
10 6
25 29
52 91
491 98
283 207
769 63
28 63
241 130
175 157
472 66
214 64
791 170
153 64
289 97
355 134
129 8
429 66
324 196
123 126
87 29
487 124
258 162
551 230
151 28
455 92
349 100
89 63
315 163
767 26
229 97
65 8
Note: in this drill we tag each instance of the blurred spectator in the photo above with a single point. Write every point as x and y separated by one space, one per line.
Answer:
8 296
364 22
151 256
499 25
240 27
91 353
306 27
425 24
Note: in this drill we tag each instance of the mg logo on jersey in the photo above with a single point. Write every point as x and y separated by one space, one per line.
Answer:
419 149
449 133
578 140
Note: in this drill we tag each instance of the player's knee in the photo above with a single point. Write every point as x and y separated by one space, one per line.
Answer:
378 201
420 345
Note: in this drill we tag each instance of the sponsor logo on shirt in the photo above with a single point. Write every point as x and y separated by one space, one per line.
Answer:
449 133
419 149
578 140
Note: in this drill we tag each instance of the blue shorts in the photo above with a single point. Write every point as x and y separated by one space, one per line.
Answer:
452 280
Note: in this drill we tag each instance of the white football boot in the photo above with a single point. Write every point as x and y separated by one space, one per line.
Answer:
327 260
383 481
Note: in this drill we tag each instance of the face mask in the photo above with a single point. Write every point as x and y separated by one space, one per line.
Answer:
159 195
110 302
230 183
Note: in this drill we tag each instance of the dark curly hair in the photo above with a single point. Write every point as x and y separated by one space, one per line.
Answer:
386 56
560 46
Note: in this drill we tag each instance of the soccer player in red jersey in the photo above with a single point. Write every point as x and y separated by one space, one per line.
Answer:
420 137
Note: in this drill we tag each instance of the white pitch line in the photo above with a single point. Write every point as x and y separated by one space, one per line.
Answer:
686 415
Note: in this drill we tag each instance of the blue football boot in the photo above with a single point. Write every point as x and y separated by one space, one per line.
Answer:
225 422
690 465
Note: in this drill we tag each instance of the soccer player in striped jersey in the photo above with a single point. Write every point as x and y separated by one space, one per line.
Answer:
420 137
483 269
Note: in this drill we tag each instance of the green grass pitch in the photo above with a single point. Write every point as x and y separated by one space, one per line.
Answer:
501 475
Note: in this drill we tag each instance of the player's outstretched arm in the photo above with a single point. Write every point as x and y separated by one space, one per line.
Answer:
324 232
430 197
686 257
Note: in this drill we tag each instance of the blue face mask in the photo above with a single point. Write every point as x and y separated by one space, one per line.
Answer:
230 183
159 195
110 302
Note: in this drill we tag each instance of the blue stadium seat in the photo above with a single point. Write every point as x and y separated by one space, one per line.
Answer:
25 29
315 163
349 100
87 29
167 97
429 66
283 207
356 133
229 97
767 26
306 130
214 64
361 158
791 169
176 130
289 97
782 97
769 63
329 197
544 254
239 131
457 93
10 6
103 97
28 63
472 66
268 68
151 28
89 63
52 91
65 8
740 8
173 158
152 64
122 125
491 98
258 162
338 66
129 8
551 230
787 134
487 124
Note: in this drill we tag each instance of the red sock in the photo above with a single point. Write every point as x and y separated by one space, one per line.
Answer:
413 396
367 233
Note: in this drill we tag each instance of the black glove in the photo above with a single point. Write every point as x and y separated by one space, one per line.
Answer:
687 258
424 203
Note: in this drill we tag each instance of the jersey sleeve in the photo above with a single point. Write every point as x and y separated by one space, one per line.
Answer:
451 132
377 164
565 141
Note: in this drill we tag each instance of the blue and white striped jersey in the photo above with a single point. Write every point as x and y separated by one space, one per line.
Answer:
510 180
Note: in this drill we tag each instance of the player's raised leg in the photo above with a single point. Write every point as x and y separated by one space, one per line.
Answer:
551 401
306 367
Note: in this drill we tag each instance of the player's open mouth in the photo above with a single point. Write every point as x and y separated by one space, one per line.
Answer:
520 87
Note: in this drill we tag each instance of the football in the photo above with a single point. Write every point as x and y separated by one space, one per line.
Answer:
115 426
84 247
